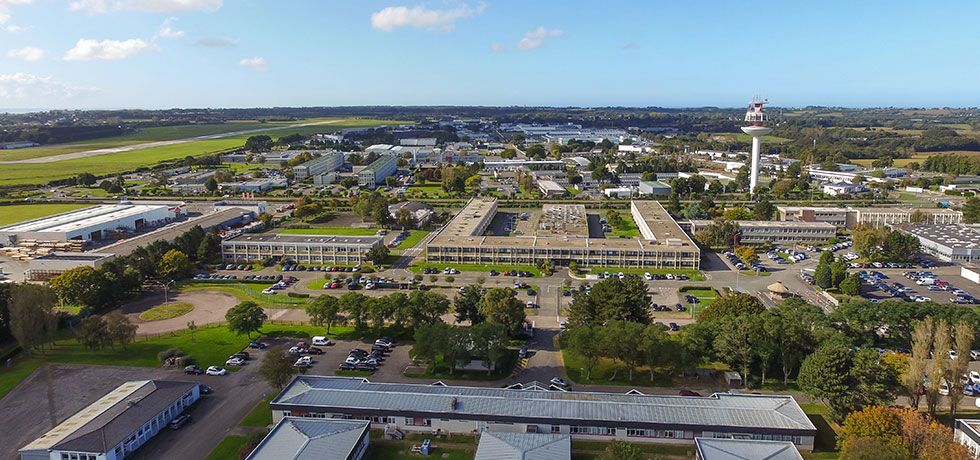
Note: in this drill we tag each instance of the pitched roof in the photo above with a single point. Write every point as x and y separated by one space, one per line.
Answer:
523 446
295 438
745 449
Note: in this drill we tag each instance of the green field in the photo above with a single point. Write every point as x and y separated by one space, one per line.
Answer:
21 212
706 295
261 415
414 237
742 137
166 311
341 231
21 174
626 229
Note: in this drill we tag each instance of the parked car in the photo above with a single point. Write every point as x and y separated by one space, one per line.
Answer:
180 421
321 340
215 370
193 370
206 390
556 380
235 361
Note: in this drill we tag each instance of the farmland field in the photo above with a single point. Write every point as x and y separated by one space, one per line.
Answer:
40 173
21 212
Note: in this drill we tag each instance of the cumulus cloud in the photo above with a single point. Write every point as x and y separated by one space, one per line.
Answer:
167 31
106 50
158 6
5 8
534 39
257 64
27 53
27 86
420 17
215 43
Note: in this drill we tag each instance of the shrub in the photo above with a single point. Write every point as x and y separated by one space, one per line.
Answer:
163 356
298 295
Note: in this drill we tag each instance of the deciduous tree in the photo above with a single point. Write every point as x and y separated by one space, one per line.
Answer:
245 318
276 367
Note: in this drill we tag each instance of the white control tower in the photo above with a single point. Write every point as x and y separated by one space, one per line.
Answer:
756 129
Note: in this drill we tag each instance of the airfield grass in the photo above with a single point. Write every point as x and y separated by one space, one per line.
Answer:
101 165
21 212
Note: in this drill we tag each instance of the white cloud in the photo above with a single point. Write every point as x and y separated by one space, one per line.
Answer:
108 50
420 17
536 37
5 8
257 64
158 6
26 86
27 53
166 31
496 47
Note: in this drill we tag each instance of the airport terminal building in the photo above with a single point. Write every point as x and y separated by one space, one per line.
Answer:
582 415
562 236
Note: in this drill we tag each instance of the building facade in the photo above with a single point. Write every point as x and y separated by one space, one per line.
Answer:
581 415
376 172
949 243
311 249
967 432
89 223
763 231
326 163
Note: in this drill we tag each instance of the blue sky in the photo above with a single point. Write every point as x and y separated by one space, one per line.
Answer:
246 53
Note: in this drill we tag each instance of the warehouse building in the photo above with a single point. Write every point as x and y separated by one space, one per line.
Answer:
764 231
654 188
745 449
49 265
376 172
949 243
312 249
89 223
328 162
297 438
501 445
582 415
663 244
117 424
550 188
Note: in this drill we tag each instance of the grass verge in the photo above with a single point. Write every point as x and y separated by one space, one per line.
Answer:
230 447
166 311
261 415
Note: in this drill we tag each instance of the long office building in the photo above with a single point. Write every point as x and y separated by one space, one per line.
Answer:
376 172
948 243
582 415
851 217
117 424
313 249
562 236
328 162
764 231
89 223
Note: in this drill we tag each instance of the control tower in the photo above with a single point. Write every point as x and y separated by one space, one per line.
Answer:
757 128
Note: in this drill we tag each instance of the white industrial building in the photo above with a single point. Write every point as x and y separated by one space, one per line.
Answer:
89 223
948 243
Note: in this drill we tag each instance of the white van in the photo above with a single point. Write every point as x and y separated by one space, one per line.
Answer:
926 281
320 341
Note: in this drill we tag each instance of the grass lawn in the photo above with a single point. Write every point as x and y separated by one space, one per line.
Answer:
21 212
417 268
229 447
706 295
414 237
166 311
432 190
397 450
592 449
342 231
247 291
504 369
694 275
261 415
825 442
626 229
609 372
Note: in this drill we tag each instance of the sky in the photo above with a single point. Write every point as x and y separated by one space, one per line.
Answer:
666 53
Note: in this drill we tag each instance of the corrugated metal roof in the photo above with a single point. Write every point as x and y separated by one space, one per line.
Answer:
310 439
721 409
523 446
745 449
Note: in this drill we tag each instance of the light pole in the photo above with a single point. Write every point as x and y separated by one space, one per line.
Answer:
165 286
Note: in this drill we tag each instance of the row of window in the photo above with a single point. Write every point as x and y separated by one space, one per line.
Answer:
246 248
558 251
78 456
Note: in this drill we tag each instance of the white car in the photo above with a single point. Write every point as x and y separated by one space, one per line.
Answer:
556 380
235 362
974 377
563 325
647 276
304 361
215 370
944 388
321 340
974 355
621 275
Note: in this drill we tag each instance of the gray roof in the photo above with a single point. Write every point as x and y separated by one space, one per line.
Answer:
523 446
295 438
763 412
102 425
745 449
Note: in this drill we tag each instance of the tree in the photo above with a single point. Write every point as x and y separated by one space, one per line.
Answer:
873 449
84 286
276 368
897 433
378 254
625 299
851 285
823 274
721 233
93 333
938 369
846 380
120 328
624 341
211 184
963 339
659 350
731 304
245 318
838 272
674 205
971 210
586 341
86 179
764 209
32 321
501 306
738 213
324 311
490 342
737 342
210 248
354 305
426 307
174 265
871 422
259 143
466 304
747 254
473 182
621 450
792 327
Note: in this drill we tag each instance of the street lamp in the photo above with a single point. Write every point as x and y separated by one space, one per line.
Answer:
164 285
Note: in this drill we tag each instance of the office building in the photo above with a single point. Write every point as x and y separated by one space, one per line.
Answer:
582 415
296 438
654 188
550 188
744 449
310 249
561 236
764 231
376 172
117 424
835 216
949 243
326 163
967 432
502 445
86 224
877 217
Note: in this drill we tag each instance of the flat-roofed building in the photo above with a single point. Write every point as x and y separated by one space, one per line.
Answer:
88 223
835 216
967 432
878 217
314 249
328 162
654 188
948 243
376 172
502 445
47 266
777 232
582 415
550 188
745 449
662 243
298 438
117 424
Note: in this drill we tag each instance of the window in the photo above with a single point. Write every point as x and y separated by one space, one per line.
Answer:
556 428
